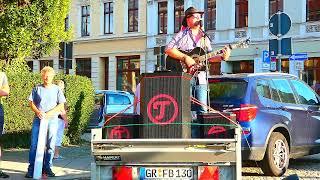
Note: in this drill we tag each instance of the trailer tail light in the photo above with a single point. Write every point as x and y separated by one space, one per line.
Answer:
208 172
246 112
121 173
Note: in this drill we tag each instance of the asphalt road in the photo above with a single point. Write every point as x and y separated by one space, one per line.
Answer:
306 168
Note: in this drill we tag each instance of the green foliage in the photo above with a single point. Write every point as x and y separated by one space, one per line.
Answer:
32 28
18 115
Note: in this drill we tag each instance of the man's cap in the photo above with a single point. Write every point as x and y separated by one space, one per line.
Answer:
191 10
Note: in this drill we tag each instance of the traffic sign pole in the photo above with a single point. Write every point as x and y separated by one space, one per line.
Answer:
279 41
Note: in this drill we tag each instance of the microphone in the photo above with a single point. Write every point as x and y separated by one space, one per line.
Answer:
198 23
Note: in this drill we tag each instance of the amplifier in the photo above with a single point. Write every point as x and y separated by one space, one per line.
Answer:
217 126
120 126
165 105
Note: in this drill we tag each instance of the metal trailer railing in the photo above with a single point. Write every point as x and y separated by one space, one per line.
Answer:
137 153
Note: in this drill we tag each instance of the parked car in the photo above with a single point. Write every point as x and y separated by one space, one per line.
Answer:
278 112
114 101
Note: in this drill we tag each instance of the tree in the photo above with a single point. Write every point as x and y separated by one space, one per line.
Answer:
32 28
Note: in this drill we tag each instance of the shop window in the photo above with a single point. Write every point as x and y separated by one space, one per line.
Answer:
284 65
215 68
128 69
311 73
242 66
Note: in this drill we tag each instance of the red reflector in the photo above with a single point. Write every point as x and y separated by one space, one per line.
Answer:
246 112
209 172
121 173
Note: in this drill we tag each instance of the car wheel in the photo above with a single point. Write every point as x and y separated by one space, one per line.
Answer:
276 158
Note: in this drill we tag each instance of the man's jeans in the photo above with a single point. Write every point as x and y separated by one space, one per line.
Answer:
198 91
50 145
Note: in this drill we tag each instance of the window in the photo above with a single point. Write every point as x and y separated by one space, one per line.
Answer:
305 94
275 6
133 15
215 68
241 13
108 18
162 17
211 22
285 91
313 10
30 65
116 99
178 15
44 63
274 92
128 68
85 20
285 65
83 67
242 66
263 89
66 23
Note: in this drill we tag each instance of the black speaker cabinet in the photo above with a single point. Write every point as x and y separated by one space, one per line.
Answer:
121 127
217 126
165 105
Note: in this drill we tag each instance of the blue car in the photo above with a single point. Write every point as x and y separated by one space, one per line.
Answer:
114 101
278 112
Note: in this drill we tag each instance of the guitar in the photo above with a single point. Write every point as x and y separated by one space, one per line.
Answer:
199 55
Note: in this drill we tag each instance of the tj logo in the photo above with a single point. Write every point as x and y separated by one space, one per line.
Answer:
159 106
119 132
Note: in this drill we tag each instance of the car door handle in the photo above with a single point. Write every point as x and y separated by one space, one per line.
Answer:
283 108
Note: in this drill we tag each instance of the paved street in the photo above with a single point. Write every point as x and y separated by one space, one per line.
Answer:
75 165
306 168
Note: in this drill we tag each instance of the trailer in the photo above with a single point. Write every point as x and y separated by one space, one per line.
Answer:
166 158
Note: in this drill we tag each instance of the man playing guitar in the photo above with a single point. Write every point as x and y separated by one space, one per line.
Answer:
190 37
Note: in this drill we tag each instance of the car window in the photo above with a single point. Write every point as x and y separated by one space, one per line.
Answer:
285 91
274 92
116 99
305 94
263 88
225 90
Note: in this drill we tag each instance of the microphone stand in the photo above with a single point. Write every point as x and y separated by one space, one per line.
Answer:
207 64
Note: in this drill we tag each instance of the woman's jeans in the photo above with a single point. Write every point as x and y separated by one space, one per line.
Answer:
50 144
199 92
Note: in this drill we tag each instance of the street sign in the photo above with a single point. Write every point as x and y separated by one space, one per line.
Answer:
299 65
285 47
273 64
299 57
266 66
282 19
265 56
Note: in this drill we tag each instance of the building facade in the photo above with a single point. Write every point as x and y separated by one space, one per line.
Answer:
109 43
228 21
116 40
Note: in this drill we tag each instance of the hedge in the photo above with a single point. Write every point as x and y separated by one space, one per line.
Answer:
18 115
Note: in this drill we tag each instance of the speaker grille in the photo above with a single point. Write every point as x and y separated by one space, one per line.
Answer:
165 105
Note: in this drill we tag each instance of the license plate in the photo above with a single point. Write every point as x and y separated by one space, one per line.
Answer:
166 172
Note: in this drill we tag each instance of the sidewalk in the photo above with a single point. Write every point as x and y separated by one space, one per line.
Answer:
75 165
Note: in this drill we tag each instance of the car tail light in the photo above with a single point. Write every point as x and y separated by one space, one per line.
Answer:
208 172
121 173
246 112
